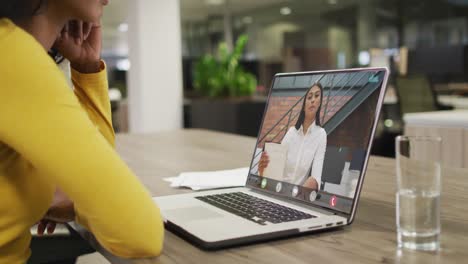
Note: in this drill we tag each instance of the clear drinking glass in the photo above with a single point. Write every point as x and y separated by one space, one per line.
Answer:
418 192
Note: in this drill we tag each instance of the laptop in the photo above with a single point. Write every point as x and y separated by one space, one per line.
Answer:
306 113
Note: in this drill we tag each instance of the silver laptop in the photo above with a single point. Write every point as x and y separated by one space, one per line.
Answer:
307 167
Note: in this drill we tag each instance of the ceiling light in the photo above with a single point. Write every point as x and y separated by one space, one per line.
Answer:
364 58
247 20
215 2
123 27
285 11
333 2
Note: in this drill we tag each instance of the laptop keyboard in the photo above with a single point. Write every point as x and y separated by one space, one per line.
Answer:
254 209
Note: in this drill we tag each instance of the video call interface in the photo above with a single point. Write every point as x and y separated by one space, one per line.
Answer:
315 135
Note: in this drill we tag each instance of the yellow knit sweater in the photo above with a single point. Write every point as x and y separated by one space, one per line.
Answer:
51 136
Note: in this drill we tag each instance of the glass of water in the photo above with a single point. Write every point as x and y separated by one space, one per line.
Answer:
418 192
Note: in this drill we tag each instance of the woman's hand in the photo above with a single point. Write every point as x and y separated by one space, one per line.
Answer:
80 42
44 225
60 211
263 163
311 183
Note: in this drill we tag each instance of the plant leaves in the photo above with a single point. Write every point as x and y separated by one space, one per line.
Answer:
224 76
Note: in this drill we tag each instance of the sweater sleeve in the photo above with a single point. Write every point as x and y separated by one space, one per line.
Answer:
92 92
42 120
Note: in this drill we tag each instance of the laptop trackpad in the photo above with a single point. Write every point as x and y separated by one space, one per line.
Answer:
193 213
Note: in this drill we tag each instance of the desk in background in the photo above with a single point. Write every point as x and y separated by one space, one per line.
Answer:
456 88
451 126
371 239
458 102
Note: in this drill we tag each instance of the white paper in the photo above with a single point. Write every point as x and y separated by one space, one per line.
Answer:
170 179
277 154
203 180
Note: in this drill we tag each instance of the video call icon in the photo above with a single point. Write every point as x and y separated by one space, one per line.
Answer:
333 201
295 191
279 186
264 183
313 196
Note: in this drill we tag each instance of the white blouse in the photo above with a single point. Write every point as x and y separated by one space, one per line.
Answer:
304 151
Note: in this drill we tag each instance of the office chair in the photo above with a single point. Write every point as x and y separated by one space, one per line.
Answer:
333 165
59 249
415 94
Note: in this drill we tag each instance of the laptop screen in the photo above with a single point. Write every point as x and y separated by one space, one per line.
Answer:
315 136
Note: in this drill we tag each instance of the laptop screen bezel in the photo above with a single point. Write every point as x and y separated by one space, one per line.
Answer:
355 201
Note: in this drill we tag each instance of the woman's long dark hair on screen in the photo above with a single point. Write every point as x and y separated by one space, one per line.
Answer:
17 10
301 118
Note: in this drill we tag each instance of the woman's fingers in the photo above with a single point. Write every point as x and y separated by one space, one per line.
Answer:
41 226
87 27
51 227
73 29
76 31
46 225
264 160
79 32
65 32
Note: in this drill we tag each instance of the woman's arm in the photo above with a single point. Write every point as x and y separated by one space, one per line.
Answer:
81 42
43 121
89 78
92 91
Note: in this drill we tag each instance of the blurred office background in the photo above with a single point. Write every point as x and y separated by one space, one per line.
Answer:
154 48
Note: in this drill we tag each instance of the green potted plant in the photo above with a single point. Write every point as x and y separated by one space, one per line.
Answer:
225 88
223 76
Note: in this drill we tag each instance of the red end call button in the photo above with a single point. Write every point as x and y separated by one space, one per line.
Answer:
333 201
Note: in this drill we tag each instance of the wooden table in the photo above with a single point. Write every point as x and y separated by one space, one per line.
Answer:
371 239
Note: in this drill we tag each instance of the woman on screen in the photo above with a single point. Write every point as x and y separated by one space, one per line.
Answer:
306 143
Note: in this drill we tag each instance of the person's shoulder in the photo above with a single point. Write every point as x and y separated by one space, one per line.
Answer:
292 129
322 131
6 27
291 133
26 66
20 51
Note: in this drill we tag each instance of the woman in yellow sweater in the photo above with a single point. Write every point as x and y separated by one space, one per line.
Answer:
52 137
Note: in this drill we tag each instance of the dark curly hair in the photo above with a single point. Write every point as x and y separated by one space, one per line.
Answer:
301 118
17 10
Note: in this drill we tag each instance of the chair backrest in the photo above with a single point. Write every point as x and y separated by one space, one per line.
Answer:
357 161
333 164
415 94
